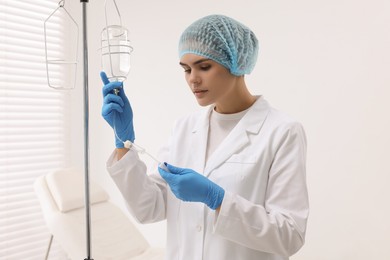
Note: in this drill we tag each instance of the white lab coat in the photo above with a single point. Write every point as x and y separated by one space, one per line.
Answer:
261 166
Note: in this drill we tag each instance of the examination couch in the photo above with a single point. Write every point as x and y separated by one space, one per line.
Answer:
113 235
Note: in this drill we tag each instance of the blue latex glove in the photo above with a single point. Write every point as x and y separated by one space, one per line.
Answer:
189 185
117 111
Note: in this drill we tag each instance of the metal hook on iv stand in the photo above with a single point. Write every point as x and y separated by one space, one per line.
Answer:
117 11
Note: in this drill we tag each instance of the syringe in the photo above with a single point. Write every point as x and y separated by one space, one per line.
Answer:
129 145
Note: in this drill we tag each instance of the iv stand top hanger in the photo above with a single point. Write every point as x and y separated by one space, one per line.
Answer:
53 59
117 10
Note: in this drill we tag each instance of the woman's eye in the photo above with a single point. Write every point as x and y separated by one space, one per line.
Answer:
186 69
205 67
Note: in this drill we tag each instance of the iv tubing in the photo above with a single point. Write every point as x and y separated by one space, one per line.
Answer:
141 150
130 145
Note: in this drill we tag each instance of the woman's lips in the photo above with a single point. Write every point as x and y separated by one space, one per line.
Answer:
200 93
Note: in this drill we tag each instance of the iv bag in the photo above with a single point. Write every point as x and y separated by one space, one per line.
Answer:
115 52
115 47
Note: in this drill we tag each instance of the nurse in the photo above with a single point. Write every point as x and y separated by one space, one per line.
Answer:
235 187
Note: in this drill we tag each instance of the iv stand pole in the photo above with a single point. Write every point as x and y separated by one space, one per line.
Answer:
86 130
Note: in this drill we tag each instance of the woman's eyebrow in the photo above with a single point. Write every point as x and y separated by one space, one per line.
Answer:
196 62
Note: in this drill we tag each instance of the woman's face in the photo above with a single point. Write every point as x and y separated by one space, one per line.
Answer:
210 82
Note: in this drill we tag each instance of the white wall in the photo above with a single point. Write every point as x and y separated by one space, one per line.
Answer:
326 63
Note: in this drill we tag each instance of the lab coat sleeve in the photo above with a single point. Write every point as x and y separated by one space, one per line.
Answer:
145 195
278 226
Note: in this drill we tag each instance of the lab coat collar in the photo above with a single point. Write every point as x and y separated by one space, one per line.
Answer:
238 138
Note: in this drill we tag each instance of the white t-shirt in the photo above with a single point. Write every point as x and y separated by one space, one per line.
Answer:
220 127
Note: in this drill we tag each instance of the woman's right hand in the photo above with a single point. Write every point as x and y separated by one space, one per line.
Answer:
117 111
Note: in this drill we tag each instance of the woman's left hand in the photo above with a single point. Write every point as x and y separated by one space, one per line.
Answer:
189 185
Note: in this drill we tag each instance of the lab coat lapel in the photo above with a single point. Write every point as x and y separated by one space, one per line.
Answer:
239 137
199 140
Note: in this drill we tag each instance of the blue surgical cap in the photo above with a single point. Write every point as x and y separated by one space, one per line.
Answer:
224 40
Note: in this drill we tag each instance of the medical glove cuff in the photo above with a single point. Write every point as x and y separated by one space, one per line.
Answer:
215 196
119 143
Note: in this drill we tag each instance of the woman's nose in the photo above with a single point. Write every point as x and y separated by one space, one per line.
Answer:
194 78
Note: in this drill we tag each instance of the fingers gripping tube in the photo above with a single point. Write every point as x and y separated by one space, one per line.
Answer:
116 91
163 166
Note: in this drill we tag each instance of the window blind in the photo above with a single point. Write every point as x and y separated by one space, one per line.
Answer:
34 126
